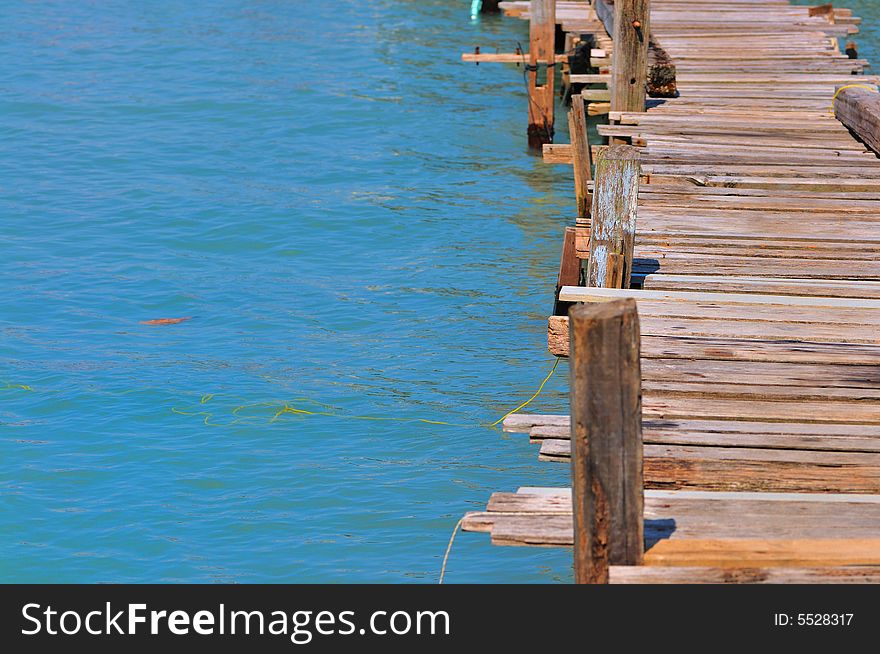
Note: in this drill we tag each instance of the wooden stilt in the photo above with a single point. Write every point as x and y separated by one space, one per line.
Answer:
630 65
606 439
569 270
542 58
580 152
613 220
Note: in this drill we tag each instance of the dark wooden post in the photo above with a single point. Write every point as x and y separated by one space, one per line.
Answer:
569 269
542 48
613 220
581 157
630 65
606 439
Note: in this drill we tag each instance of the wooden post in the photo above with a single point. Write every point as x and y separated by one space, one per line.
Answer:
630 65
542 52
580 152
569 270
606 439
613 220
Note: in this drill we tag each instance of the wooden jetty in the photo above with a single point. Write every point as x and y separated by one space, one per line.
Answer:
718 297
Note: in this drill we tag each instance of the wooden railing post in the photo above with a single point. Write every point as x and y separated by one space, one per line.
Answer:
606 439
581 157
613 220
542 48
630 65
569 269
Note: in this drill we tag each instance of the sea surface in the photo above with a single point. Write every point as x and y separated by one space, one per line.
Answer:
348 216
363 249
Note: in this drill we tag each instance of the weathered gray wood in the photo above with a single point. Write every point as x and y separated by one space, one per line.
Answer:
580 151
613 224
629 70
606 439
859 109
763 285
703 575
542 517
581 294
542 38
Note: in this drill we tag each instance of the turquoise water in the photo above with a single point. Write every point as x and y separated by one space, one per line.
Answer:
349 218
347 214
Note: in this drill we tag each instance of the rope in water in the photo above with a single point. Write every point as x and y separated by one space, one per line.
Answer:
277 409
449 549
528 401
286 408
495 514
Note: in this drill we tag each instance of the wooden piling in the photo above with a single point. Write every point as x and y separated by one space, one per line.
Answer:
613 217
542 53
630 65
581 158
569 270
606 439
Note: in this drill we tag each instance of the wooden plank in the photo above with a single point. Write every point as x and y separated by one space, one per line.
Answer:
859 109
744 469
747 553
583 294
730 349
744 575
763 285
728 433
506 58
538 516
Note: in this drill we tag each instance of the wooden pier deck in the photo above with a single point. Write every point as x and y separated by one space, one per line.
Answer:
756 271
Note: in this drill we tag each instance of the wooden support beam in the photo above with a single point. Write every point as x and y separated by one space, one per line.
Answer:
542 47
859 109
504 58
606 439
612 234
629 71
583 165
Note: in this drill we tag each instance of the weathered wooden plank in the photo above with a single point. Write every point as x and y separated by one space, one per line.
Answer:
537 516
764 285
792 330
744 575
583 294
747 553
731 349
859 109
